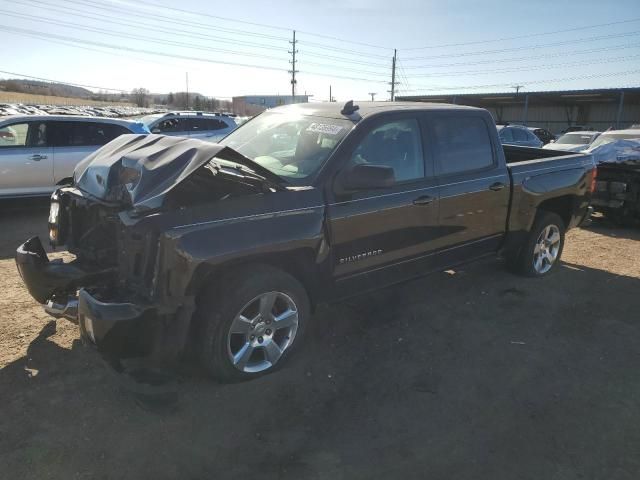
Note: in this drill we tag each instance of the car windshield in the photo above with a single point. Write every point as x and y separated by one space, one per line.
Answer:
612 137
149 119
292 146
575 139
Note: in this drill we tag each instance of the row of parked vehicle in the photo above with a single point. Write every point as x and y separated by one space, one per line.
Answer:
40 151
115 111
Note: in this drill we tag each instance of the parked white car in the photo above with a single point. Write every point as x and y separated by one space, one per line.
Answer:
573 142
205 126
37 152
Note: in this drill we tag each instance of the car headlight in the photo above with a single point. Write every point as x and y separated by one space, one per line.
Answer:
57 220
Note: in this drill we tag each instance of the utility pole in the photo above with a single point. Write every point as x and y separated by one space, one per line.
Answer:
330 97
373 95
187 75
393 75
518 87
293 70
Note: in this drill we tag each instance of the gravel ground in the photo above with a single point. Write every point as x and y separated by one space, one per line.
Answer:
472 374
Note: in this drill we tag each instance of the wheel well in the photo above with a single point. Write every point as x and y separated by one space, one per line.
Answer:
300 265
562 206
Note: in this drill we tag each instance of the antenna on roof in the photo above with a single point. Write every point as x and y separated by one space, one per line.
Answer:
349 108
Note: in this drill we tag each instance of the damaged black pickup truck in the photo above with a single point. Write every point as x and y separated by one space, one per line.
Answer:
226 248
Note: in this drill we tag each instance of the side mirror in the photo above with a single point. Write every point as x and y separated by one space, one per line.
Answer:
553 140
366 177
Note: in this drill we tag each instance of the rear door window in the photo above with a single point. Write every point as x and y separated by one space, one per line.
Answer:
506 135
461 144
520 135
206 124
198 125
171 125
83 134
215 124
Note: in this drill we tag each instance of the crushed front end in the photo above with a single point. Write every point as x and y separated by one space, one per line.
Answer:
108 288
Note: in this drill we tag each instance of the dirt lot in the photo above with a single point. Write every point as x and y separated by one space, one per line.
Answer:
472 375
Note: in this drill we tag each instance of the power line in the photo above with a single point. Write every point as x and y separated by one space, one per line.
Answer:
74 40
185 45
566 53
591 61
343 50
144 38
77 42
543 45
197 35
256 24
345 60
566 79
148 26
529 35
23 75
173 20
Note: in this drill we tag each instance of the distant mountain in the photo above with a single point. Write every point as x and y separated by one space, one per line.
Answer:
44 88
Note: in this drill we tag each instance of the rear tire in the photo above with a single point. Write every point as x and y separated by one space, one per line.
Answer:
542 249
238 317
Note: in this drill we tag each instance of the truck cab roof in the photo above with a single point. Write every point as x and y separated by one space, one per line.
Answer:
334 109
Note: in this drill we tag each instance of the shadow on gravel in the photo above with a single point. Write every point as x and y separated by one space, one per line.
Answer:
472 375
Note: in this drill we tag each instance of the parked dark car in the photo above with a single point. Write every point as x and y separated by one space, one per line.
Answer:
227 248
543 134
518 135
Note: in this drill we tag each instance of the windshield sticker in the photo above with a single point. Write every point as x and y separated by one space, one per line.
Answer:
326 128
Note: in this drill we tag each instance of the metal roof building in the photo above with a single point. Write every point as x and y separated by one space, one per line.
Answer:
556 110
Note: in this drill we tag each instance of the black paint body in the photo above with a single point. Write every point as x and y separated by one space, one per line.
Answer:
335 243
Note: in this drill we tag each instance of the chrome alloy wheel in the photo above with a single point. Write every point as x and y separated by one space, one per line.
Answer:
261 332
545 252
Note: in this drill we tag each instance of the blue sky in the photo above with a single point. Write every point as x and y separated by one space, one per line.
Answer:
443 47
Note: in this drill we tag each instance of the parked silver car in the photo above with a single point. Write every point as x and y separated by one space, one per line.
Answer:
573 142
518 135
205 126
39 151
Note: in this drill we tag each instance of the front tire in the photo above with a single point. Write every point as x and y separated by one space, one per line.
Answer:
541 252
250 323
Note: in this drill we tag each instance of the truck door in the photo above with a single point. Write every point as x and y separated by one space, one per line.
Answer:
26 159
474 185
381 236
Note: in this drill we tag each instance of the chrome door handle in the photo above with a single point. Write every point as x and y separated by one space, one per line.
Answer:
37 157
497 186
423 200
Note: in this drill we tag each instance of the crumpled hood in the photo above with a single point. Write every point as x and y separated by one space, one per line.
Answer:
139 170
624 152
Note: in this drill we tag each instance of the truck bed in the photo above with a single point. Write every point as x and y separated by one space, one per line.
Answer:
515 154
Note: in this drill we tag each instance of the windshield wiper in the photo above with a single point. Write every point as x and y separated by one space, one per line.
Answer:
233 156
244 172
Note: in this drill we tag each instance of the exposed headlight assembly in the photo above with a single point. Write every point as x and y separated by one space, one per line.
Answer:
57 219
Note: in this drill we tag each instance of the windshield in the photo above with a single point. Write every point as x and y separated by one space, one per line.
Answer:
612 137
292 146
575 139
149 119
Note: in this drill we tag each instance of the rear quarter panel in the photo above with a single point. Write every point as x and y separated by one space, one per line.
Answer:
537 181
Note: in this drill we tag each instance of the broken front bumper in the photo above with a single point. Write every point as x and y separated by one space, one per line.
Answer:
118 328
